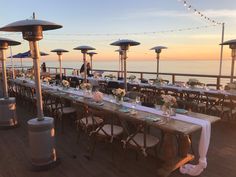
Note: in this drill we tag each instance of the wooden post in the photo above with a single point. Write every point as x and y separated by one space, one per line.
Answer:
218 82
141 76
173 79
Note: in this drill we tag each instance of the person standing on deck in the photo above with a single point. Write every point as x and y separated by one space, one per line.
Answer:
43 67
88 70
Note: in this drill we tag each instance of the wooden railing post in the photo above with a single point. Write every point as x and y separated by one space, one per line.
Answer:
141 76
218 82
173 79
56 70
64 71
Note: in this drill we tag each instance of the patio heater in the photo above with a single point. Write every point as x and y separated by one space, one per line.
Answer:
7 104
158 51
120 62
41 129
59 53
84 49
91 58
124 45
232 46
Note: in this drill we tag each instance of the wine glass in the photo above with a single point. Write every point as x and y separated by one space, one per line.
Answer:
137 100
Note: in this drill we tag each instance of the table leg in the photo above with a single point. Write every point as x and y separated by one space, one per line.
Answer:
174 153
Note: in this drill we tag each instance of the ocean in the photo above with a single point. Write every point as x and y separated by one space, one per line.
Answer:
210 67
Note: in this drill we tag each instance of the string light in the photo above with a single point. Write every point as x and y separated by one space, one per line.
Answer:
190 7
120 34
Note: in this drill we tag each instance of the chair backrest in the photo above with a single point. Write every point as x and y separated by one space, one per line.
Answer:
113 84
214 100
190 95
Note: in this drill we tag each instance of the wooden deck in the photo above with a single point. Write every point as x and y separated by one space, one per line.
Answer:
15 162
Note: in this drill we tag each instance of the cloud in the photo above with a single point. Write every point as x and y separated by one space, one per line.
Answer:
147 13
220 13
155 13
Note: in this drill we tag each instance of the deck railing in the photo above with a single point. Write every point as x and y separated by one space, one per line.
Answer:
172 77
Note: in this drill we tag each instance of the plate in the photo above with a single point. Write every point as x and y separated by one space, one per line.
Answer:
98 103
181 111
153 118
125 110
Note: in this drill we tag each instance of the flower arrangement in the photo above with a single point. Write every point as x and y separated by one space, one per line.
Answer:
111 76
21 74
98 96
86 86
97 75
132 77
193 82
119 93
47 79
168 102
29 75
158 80
231 86
65 83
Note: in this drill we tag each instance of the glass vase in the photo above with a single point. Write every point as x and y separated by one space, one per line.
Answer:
119 100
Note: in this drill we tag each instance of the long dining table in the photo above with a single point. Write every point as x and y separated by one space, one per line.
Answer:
179 88
173 153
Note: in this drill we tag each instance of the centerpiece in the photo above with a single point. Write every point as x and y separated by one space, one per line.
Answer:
158 81
119 95
47 79
132 78
98 97
193 82
65 84
110 76
87 88
20 74
231 86
29 76
169 101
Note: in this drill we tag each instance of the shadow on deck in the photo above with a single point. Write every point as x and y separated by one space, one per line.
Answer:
14 155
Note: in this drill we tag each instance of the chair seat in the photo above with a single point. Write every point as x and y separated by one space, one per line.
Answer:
91 121
117 130
234 111
151 141
67 110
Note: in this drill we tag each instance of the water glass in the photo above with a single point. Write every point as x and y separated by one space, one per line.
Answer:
137 100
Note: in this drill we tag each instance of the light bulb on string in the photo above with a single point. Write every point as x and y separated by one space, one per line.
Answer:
185 4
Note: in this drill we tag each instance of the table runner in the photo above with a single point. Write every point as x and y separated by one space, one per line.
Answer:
193 170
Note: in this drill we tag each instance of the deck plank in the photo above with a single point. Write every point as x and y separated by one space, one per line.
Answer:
15 162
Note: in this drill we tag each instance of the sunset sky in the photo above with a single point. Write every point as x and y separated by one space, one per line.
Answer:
105 21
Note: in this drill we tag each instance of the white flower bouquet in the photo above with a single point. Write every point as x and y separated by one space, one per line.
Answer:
193 82
158 80
132 77
168 101
119 93
111 76
65 83
47 79
21 74
86 86
29 75
231 86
